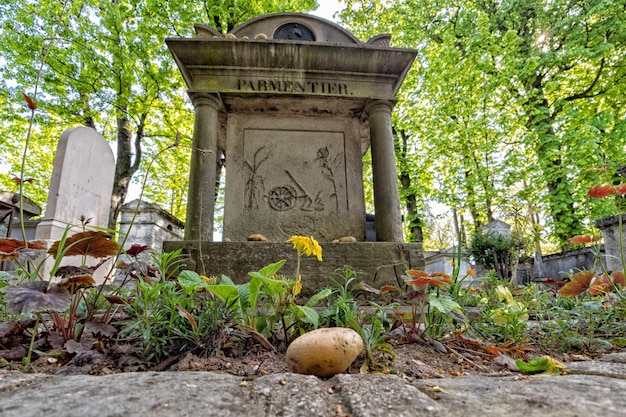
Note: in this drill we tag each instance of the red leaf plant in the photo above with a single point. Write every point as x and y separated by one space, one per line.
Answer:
89 243
36 297
582 239
601 190
605 284
437 279
20 251
579 283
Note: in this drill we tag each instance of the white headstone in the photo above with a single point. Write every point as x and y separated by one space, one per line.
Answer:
81 183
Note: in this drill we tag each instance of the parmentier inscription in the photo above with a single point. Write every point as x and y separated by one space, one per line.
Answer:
290 86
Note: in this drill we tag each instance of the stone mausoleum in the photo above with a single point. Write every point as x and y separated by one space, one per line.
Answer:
292 102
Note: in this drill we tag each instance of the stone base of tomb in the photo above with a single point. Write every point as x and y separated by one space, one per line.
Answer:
381 263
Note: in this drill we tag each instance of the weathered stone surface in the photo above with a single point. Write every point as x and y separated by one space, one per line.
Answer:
613 365
151 226
211 394
382 263
287 176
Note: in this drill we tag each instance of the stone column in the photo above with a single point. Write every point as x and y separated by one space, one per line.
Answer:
386 196
203 168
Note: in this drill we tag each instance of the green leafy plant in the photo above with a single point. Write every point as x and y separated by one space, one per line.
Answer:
63 296
267 303
503 319
493 251
173 318
375 342
341 308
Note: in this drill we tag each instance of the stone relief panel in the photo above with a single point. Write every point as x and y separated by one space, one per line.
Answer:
294 171
291 175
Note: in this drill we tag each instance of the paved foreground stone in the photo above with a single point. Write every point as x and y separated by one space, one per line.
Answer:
592 389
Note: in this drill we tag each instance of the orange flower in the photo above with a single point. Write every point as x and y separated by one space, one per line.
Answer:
601 190
582 239
620 189
471 273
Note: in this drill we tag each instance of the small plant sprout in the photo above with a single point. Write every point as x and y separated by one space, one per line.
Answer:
433 306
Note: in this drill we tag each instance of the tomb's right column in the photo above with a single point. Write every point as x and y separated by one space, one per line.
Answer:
385 177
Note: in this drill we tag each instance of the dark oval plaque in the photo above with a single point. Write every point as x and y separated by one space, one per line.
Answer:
294 32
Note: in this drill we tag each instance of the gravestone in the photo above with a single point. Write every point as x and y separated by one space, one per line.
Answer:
81 183
497 228
292 102
80 187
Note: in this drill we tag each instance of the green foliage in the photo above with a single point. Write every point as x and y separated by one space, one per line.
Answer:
492 251
105 65
341 307
171 321
507 100
266 303
375 341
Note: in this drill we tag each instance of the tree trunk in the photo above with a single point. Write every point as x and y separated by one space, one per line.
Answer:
560 202
125 166
416 233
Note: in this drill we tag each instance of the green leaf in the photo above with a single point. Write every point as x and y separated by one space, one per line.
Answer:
191 281
306 314
269 270
443 303
226 293
544 365
318 296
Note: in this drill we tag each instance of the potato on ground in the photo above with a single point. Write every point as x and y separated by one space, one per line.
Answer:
324 352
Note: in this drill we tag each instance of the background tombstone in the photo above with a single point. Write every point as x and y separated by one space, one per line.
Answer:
498 228
81 184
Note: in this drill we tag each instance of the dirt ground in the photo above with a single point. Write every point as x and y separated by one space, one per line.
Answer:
419 359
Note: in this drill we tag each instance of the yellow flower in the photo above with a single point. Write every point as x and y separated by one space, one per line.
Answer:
306 245
297 286
208 280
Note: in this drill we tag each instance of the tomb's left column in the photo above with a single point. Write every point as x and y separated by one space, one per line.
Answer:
203 167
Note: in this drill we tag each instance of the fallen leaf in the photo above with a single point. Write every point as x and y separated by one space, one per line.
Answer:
188 316
545 365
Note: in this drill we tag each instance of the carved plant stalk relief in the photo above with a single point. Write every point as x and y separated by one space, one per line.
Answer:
328 170
255 186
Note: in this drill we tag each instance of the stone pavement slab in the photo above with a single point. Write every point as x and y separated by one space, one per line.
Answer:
593 388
